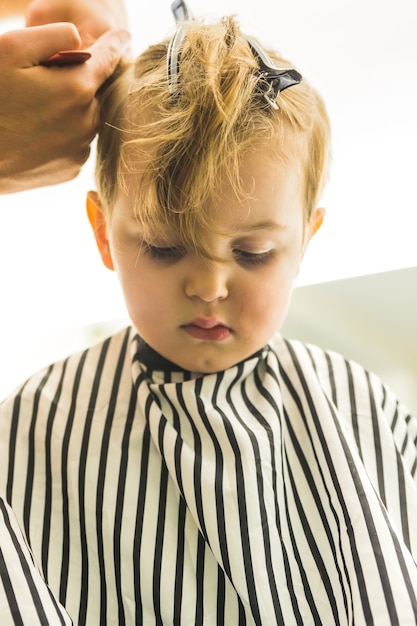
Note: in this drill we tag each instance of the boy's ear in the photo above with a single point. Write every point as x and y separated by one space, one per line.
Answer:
99 225
316 220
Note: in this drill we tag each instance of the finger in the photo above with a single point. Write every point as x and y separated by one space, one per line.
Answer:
30 46
106 53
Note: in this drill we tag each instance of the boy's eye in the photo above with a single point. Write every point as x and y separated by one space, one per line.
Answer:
168 253
252 258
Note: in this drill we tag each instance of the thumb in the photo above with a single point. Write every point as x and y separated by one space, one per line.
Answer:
106 53
30 46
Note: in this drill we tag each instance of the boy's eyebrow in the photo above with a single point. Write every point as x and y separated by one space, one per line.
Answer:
266 225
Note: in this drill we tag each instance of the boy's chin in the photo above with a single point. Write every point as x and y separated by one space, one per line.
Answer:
208 364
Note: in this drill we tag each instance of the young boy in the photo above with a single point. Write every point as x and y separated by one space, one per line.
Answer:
197 468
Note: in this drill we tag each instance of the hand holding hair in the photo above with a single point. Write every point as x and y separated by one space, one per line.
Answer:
48 115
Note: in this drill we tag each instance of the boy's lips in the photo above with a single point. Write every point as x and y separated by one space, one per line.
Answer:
207 328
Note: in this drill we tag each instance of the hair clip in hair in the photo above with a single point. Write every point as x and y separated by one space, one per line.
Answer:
173 62
181 12
277 78
182 15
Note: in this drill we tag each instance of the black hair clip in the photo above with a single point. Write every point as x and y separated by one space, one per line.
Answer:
276 78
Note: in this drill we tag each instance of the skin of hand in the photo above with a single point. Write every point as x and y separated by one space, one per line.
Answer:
91 17
12 7
48 115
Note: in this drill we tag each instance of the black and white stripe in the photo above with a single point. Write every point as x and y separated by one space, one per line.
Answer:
24 597
281 491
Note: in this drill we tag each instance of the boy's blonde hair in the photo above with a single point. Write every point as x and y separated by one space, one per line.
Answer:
187 145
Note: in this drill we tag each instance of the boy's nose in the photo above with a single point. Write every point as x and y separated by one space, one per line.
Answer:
207 281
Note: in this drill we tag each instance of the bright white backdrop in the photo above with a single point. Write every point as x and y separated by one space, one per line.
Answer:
360 54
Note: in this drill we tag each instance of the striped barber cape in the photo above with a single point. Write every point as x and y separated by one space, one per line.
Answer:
278 492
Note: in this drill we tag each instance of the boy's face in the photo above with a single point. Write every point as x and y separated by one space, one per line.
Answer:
206 315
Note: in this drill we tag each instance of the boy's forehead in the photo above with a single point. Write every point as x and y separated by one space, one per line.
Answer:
270 188
270 197
255 166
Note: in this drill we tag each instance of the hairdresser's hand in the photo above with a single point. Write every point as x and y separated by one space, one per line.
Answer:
91 17
48 115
